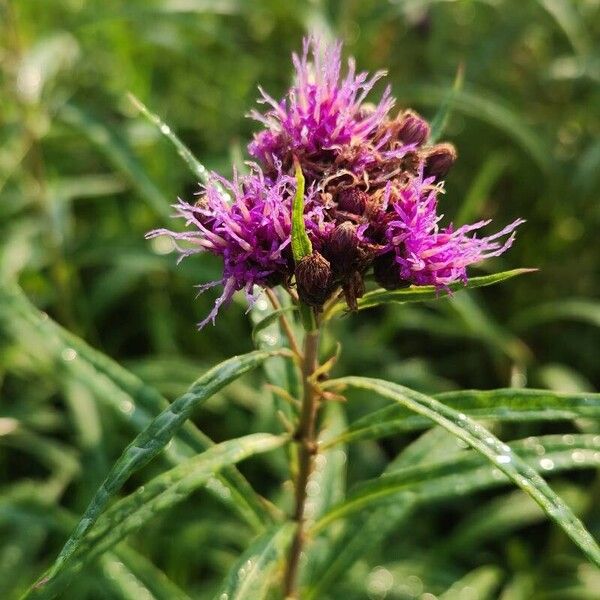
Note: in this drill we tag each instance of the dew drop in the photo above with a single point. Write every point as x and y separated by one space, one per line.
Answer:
68 354
503 459
578 456
165 129
126 406
547 464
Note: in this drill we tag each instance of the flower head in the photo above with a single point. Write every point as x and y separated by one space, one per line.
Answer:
251 233
426 254
372 186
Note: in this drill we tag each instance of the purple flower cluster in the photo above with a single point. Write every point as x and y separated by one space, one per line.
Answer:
372 185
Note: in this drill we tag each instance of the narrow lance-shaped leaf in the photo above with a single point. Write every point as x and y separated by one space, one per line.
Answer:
439 122
366 531
197 168
271 318
301 245
115 147
504 405
131 399
484 442
420 293
164 491
155 437
250 576
463 475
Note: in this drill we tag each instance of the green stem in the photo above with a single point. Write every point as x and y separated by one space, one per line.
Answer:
307 448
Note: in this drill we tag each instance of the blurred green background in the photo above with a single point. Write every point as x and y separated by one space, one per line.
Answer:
83 177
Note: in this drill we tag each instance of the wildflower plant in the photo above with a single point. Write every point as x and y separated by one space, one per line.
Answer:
340 211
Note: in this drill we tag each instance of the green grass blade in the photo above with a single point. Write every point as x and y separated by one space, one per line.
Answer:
485 108
440 121
482 185
134 511
585 311
154 438
465 475
131 399
197 168
364 532
482 583
484 442
421 293
250 576
504 405
271 318
112 144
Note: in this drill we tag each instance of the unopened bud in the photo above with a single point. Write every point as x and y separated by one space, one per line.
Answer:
352 200
341 249
313 279
439 160
387 272
354 288
413 128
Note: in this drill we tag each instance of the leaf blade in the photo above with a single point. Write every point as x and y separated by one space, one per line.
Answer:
481 440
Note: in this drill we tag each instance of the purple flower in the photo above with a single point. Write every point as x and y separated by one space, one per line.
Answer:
251 234
371 196
429 255
323 117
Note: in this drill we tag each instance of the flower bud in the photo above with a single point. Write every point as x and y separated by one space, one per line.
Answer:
413 128
387 272
341 249
352 200
313 279
439 160
353 288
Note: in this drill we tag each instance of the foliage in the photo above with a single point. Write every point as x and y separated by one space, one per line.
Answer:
399 507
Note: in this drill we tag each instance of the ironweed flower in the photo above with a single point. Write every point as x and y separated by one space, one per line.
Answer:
371 199
251 234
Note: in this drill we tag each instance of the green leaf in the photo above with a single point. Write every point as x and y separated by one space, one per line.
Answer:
585 311
130 398
439 122
197 168
271 318
154 438
115 147
301 245
505 405
160 494
482 106
250 576
467 474
481 440
481 186
482 583
365 531
420 293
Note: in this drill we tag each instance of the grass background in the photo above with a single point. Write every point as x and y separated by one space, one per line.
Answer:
83 177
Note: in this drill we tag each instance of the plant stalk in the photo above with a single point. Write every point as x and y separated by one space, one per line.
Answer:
307 448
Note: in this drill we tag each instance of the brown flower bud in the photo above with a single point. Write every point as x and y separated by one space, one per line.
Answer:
354 288
313 279
439 159
413 128
341 249
387 272
352 200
